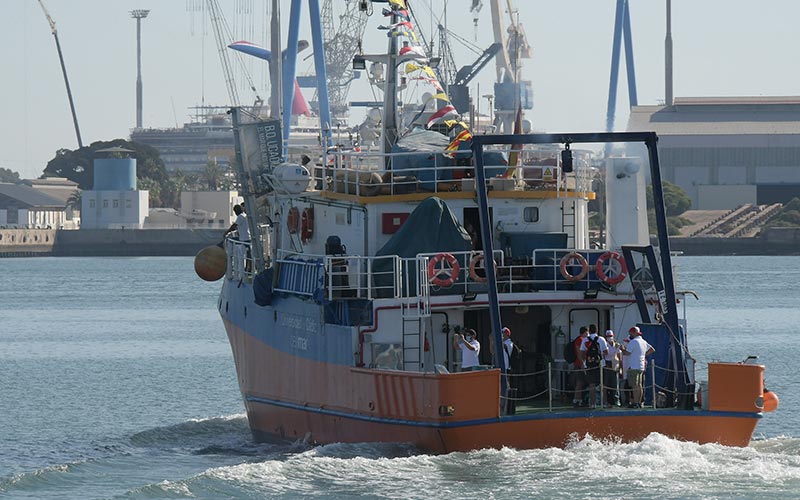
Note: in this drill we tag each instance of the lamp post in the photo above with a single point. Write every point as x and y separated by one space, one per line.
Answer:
139 14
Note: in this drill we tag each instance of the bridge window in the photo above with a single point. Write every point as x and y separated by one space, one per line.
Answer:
531 214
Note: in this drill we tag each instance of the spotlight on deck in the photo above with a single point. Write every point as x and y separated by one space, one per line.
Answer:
359 62
590 294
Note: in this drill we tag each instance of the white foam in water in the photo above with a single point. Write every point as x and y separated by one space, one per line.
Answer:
657 467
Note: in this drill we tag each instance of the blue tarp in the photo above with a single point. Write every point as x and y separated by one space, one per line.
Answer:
430 228
420 151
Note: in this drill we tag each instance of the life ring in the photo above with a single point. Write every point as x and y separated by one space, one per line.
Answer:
616 264
307 224
567 260
441 275
473 264
293 220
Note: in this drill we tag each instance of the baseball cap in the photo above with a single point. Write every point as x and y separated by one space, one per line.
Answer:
635 330
609 333
506 330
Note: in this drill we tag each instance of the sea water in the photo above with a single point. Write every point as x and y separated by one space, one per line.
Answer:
117 381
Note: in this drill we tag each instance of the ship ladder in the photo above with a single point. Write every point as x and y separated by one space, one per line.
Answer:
568 221
412 343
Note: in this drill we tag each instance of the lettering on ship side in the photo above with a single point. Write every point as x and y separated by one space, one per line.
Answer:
298 322
662 297
297 342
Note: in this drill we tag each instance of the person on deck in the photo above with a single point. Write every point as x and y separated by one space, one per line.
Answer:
594 348
242 230
470 349
239 225
579 367
611 374
637 350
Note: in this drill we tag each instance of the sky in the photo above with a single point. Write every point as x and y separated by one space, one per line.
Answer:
721 48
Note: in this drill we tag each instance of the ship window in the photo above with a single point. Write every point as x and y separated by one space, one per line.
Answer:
116 203
127 203
91 203
105 203
531 214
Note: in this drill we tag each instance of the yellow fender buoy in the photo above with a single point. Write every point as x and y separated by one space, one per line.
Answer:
211 263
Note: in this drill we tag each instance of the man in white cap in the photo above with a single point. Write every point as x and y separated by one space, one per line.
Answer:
612 367
470 349
636 350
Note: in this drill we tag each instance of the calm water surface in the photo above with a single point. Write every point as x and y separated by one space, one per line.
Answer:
116 381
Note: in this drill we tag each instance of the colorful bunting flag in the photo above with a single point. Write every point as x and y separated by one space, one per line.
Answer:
413 50
405 24
432 81
400 4
399 32
446 112
462 136
401 13
441 96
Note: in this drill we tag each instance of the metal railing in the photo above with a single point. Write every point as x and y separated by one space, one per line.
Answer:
364 173
558 397
241 265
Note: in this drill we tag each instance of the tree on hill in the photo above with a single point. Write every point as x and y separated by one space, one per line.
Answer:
78 165
676 201
789 215
8 175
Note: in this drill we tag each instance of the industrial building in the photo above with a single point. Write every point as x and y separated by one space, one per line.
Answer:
114 201
726 152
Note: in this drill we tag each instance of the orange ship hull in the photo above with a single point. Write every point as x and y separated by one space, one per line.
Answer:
294 398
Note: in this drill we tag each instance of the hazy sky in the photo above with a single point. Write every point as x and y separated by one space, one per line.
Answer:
721 47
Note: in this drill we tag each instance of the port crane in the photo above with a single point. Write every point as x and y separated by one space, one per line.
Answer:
54 31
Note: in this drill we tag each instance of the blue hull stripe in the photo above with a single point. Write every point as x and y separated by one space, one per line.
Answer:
510 418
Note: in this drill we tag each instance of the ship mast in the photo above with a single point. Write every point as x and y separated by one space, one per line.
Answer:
390 98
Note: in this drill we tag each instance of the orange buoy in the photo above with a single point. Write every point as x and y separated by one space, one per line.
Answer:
770 401
211 263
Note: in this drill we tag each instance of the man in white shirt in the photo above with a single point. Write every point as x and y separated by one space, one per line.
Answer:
636 351
242 234
594 348
470 348
611 373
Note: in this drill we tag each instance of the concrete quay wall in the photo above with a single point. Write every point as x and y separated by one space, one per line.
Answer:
106 242
26 242
134 242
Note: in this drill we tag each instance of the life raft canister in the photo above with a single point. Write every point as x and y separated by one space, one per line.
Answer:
293 220
613 272
443 270
567 261
307 224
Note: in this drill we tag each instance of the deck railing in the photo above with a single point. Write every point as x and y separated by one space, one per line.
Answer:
367 173
557 392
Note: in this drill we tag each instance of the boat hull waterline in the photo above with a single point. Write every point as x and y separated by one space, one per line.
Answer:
362 405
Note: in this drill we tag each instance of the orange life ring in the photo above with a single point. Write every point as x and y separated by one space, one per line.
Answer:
293 220
567 260
473 264
441 276
615 263
307 224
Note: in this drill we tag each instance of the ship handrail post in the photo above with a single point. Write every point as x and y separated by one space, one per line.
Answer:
653 381
550 386
602 384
